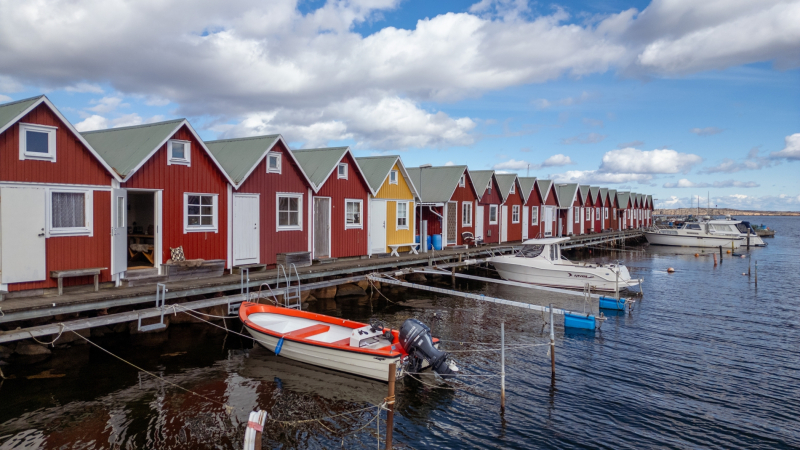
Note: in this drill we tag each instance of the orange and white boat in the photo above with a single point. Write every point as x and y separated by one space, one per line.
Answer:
339 344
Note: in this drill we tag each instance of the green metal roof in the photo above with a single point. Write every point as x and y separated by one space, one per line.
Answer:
319 163
526 184
239 156
566 192
481 178
612 195
594 191
125 149
436 184
649 201
584 190
603 194
9 111
505 181
622 198
544 186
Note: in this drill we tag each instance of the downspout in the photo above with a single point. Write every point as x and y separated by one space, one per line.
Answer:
435 213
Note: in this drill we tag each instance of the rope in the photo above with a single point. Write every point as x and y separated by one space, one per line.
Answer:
53 343
379 291
175 312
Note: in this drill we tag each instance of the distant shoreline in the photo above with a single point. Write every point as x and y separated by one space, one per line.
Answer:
721 212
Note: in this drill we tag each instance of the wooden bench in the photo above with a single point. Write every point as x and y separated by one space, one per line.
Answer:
299 259
61 274
412 246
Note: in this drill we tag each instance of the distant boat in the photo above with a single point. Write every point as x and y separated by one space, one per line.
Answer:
540 262
705 234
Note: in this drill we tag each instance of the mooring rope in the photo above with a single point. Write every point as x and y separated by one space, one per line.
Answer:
53 342
379 291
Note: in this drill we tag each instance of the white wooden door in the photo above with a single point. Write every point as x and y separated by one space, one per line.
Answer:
119 230
246 229
548 221
525 220
479 221
322 227
602 218
503 223
583 220
22 226
377 226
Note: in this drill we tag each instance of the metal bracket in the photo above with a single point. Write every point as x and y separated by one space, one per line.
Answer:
161 299
244 289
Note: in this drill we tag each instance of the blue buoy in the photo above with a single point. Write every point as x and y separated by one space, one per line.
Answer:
579 321
278 347
612 303
436 241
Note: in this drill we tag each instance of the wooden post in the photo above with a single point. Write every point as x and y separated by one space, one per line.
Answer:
390 405
552 343
748 239
502 365
720 254
756 273
715 260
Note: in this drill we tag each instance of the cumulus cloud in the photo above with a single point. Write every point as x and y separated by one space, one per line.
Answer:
553 161
97 122
707 131
792 149
557 160
753 161
4 98
449 163
598 177
685 183
584 138
106 104
631 160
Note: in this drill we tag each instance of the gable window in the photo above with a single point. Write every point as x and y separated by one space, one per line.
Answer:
489 188
290 211
466 214
534 215
513 188
179 152
462 181
492 214
274 163
341 171
200 212
70 212
353 214
37 142
577 214
515 214
393 177
402 216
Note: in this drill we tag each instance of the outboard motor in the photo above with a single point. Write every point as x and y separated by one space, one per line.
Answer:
415 337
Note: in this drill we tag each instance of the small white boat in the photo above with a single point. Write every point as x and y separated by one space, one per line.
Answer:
344 345
540 262
705 234
755 239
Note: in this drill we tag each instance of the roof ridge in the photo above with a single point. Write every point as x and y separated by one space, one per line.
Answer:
320 148
248 138
35 97
375 157
144 125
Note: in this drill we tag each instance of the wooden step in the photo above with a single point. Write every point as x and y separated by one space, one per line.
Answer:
253 268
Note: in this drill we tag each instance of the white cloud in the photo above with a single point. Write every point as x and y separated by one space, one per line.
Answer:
91 123
707 131
449 163
685 183
557 160
598 177
631 160
753 161
511 164
553 161
4 98
97 122
584 138
792 149
85 88
106 104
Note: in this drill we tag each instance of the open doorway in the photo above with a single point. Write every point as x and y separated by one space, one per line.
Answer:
141 230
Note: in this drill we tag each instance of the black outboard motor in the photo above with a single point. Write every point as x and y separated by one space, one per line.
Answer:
415 337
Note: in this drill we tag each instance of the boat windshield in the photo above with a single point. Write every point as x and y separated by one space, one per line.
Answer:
530 251
742 228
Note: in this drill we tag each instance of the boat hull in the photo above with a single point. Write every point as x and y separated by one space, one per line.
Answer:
562 277
677 240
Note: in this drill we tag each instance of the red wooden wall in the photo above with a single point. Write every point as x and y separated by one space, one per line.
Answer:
514 229
74 165
486 200
434 222
202 177
550 200
290 180
353 241
462 195
534 199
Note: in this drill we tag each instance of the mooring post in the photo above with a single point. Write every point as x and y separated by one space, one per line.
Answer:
502 365
756 272
720 254
616 283
552 343
748 239
715 260
390 406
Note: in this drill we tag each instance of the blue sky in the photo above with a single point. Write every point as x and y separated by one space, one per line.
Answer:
671 97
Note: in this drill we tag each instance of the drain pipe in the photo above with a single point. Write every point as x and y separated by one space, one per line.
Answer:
435 213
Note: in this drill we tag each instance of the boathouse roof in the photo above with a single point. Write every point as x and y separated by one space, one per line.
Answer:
505 181
376 170
437 184
481 179
566 194
526 184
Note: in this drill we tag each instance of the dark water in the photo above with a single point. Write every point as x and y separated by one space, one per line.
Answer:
706 359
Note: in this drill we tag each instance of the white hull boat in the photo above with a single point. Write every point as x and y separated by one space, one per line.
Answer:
707 234
540 263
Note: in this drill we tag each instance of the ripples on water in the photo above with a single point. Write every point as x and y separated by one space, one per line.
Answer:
705 360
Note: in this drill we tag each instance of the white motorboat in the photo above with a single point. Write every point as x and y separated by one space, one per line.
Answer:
345 345
755 239
706 234
540 262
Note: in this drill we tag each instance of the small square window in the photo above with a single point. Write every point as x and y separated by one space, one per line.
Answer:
393 177
200 213
70 213
342 171
353 215
290 211
462 181
179 153
274 163
37 142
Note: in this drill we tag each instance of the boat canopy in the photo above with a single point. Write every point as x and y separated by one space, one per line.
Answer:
546 241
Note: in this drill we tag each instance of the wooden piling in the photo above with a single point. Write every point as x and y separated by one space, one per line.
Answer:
502 365
720 254
748 239
756 273
390 405
552 343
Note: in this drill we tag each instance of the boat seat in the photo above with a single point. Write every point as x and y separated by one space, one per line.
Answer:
303 333
344 342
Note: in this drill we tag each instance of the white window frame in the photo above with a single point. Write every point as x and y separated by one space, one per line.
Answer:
278 158
348 226
493 207
515 213
36 156
577 213
393 174
597 213
87 229
535 213
465 215
339 174
513 188
187 155
397 225
299 197
605 213
489 188
462 181
214 227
